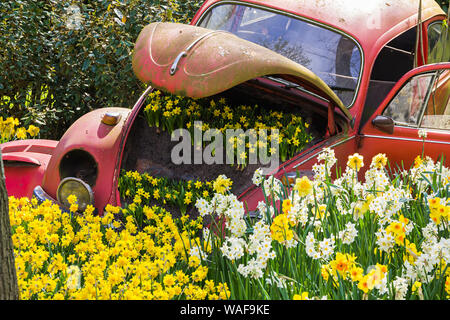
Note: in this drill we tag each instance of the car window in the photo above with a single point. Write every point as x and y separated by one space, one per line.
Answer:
334 57
437 112
252 16
434 33
438 38
394 60
406 107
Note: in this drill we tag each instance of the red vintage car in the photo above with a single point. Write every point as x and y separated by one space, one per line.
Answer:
358 70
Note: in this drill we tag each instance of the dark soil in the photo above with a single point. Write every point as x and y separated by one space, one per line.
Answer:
149 150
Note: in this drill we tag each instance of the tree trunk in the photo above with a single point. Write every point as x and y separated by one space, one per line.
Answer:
8 279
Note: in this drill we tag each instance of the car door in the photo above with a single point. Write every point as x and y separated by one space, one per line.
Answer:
418 103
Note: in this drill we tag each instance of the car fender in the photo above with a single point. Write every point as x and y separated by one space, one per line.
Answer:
101 141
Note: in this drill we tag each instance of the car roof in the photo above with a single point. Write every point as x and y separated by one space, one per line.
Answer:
366 21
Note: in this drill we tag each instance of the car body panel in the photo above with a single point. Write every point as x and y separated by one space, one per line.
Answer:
114 197
373 140
378 16
201 63
25 163
372 24
402 146
21 157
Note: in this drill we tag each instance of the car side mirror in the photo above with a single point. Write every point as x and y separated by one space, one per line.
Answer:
383 123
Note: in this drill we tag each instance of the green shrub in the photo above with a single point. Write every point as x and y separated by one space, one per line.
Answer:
444 4
59 60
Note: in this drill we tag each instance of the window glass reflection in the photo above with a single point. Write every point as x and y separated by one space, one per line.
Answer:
336 59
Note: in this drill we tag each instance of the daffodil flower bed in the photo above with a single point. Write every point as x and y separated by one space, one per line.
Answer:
143 189
168 113
386 237
10 129
61 255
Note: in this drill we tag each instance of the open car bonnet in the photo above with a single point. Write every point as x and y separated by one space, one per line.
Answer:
198 62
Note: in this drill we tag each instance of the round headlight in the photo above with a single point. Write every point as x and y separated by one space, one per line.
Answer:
79 188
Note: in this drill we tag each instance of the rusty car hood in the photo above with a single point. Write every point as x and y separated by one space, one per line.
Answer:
198 62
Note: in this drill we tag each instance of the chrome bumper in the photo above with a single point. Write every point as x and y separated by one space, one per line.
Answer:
41 196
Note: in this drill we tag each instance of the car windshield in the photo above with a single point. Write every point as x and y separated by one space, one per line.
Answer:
332 56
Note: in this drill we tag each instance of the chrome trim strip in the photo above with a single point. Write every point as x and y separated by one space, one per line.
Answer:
433 81
405 139
404 125
41 195
316 154
184 53
298 17
399 50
